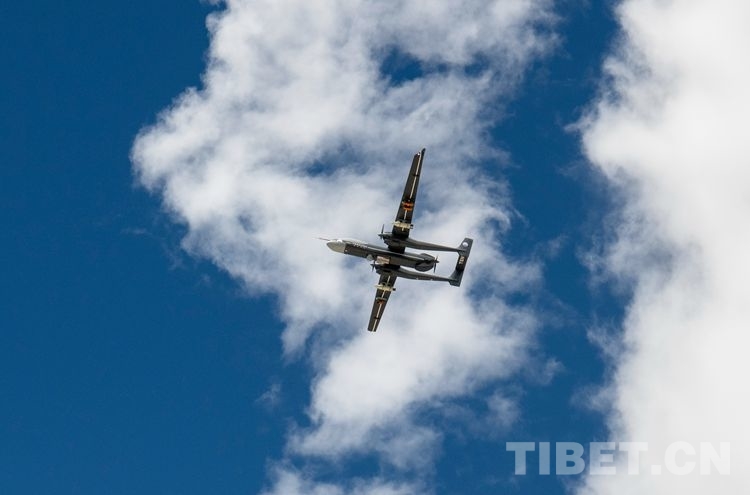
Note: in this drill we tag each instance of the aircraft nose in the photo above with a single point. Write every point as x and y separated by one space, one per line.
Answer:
337 246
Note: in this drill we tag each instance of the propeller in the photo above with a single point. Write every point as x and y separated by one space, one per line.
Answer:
382 230
434 267
324 239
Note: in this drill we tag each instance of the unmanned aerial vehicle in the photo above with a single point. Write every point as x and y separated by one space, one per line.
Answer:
394 261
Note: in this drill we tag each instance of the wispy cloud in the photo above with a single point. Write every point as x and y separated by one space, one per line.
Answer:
299 132
671 132
288 482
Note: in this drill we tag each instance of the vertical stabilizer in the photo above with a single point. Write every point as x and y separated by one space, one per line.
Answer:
463 256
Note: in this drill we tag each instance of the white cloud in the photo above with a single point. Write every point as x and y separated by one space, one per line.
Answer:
287 481
672 134
297 134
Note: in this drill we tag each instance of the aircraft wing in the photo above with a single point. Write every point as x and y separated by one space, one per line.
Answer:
402 224
385 287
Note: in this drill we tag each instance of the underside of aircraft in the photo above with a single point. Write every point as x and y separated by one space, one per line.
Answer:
394 261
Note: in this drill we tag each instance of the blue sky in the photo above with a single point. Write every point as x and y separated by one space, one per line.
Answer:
153 341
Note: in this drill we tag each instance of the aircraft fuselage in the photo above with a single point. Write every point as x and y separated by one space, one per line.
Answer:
382 256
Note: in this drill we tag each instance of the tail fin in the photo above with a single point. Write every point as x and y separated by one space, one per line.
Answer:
463 256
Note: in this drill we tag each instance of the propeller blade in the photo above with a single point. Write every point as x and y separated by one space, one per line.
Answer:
324 239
